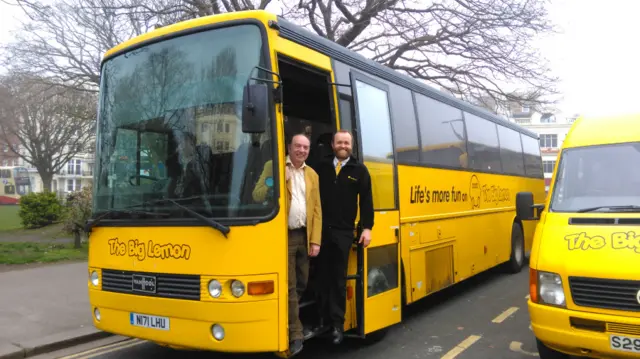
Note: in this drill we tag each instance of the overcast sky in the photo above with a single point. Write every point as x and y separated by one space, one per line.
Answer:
596 56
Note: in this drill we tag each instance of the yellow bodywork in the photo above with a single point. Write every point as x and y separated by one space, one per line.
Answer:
457 226
596 251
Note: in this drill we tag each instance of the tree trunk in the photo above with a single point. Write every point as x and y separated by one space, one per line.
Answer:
47 178
77 240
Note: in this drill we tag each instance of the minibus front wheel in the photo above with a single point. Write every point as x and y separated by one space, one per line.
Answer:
547 353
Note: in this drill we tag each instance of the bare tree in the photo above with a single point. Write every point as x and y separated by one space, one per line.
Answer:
63 43
45 125
472 48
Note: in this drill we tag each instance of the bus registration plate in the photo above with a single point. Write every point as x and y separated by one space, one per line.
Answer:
623 343
149 321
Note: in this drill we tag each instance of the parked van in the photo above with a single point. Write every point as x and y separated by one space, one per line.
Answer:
584 283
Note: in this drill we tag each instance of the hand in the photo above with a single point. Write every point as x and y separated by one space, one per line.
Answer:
314 249
365 238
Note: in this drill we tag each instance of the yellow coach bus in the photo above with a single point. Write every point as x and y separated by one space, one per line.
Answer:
189 114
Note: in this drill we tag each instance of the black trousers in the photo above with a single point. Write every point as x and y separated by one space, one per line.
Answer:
332 275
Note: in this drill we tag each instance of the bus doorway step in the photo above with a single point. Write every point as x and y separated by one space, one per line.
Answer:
315 332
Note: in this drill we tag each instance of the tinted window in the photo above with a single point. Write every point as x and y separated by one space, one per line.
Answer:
484 153
442 133
404 125
532 159
377 147
511 151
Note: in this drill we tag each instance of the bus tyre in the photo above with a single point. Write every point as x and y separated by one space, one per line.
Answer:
516 262
376 336
547 353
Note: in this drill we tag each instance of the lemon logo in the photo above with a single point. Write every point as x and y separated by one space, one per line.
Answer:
474 192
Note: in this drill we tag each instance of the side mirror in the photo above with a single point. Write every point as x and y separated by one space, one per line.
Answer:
255 103
524 206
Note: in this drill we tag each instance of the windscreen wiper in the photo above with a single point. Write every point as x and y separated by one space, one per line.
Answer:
612 208
211 222
118 211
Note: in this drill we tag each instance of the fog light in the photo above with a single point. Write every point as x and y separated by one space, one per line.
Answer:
96 313
237 288
95 279
218 331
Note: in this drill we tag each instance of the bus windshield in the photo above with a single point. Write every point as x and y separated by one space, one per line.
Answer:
598 178
170 127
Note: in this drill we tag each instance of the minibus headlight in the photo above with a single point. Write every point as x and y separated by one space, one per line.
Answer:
237 288
95 279
215 288
550 289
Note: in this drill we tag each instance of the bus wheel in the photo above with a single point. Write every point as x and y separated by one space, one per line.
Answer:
376 336
516 262
547 353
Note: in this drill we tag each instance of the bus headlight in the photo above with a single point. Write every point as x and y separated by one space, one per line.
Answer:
95 279
550 289
215 288
237 288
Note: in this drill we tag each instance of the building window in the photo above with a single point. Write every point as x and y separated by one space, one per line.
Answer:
74 167
525 109
74 185
548 118
548 166
549 140
226 127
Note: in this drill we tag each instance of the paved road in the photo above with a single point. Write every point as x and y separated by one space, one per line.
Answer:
487 316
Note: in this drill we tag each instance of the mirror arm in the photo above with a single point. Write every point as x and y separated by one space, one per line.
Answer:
539 208
277 91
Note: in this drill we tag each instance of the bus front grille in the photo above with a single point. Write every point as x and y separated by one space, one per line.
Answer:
175 286
603 293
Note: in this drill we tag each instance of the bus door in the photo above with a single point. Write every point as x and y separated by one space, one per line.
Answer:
378 287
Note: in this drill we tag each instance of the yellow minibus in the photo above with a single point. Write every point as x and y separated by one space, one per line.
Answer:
584 280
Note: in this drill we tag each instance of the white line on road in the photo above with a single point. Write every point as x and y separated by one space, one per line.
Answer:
505 315
517 347
465 344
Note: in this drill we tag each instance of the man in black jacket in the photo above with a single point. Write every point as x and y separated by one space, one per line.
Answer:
344 183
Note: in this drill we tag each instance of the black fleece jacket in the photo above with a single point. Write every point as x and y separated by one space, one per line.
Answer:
339 195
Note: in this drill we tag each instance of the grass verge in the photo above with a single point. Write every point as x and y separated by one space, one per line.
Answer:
9 219
40 252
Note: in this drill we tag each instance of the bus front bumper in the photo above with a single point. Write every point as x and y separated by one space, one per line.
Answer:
585 334
247 326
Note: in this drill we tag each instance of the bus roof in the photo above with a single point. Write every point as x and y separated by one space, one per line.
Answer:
298 34
601 130
183 27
